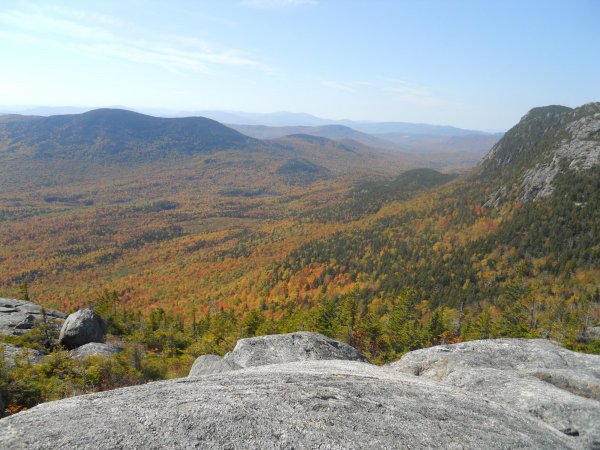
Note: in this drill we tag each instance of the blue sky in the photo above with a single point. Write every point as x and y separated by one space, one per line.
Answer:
474 64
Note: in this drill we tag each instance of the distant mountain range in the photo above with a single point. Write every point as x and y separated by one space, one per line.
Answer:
47 151
475 144
284 119
404 136
275 119
334 132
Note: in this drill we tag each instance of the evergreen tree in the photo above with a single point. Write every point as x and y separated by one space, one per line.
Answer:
24 291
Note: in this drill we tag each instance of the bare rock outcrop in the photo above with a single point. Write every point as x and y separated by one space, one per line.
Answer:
17 317
305 404
285 348
581 149
95 349
277 349
82 327
547 142
534 376
506 393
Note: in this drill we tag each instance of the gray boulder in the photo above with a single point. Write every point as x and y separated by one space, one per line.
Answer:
19 316
82 327
305 404
95 349
284 348
536 377
209 364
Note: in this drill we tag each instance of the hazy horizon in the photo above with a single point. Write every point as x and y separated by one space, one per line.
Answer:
51 110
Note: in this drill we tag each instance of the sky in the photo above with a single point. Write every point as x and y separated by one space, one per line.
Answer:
472 64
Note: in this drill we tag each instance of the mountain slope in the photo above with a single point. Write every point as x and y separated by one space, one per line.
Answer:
438 147
382 128
546 142
83 213
369 197
96 138
334 132
116 135
507 268
344 156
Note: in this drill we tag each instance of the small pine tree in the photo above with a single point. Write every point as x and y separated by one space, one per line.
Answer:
24 291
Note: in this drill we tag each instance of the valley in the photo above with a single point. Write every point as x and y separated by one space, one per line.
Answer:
184 253
106 219
295 225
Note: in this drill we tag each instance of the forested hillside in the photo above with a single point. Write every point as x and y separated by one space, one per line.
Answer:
115 135
478 258
306 234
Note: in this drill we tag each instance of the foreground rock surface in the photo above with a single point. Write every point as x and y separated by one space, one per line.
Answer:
535 376
285 348
82 327
19 316
306 404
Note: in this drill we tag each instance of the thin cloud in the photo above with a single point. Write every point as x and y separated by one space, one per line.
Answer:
413 94
277 4
74 14
53 27
338 86
102 36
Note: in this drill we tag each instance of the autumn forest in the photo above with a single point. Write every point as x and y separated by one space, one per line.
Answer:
184 248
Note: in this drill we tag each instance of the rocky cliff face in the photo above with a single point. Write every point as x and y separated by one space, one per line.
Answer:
545 142
580 150
500 398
